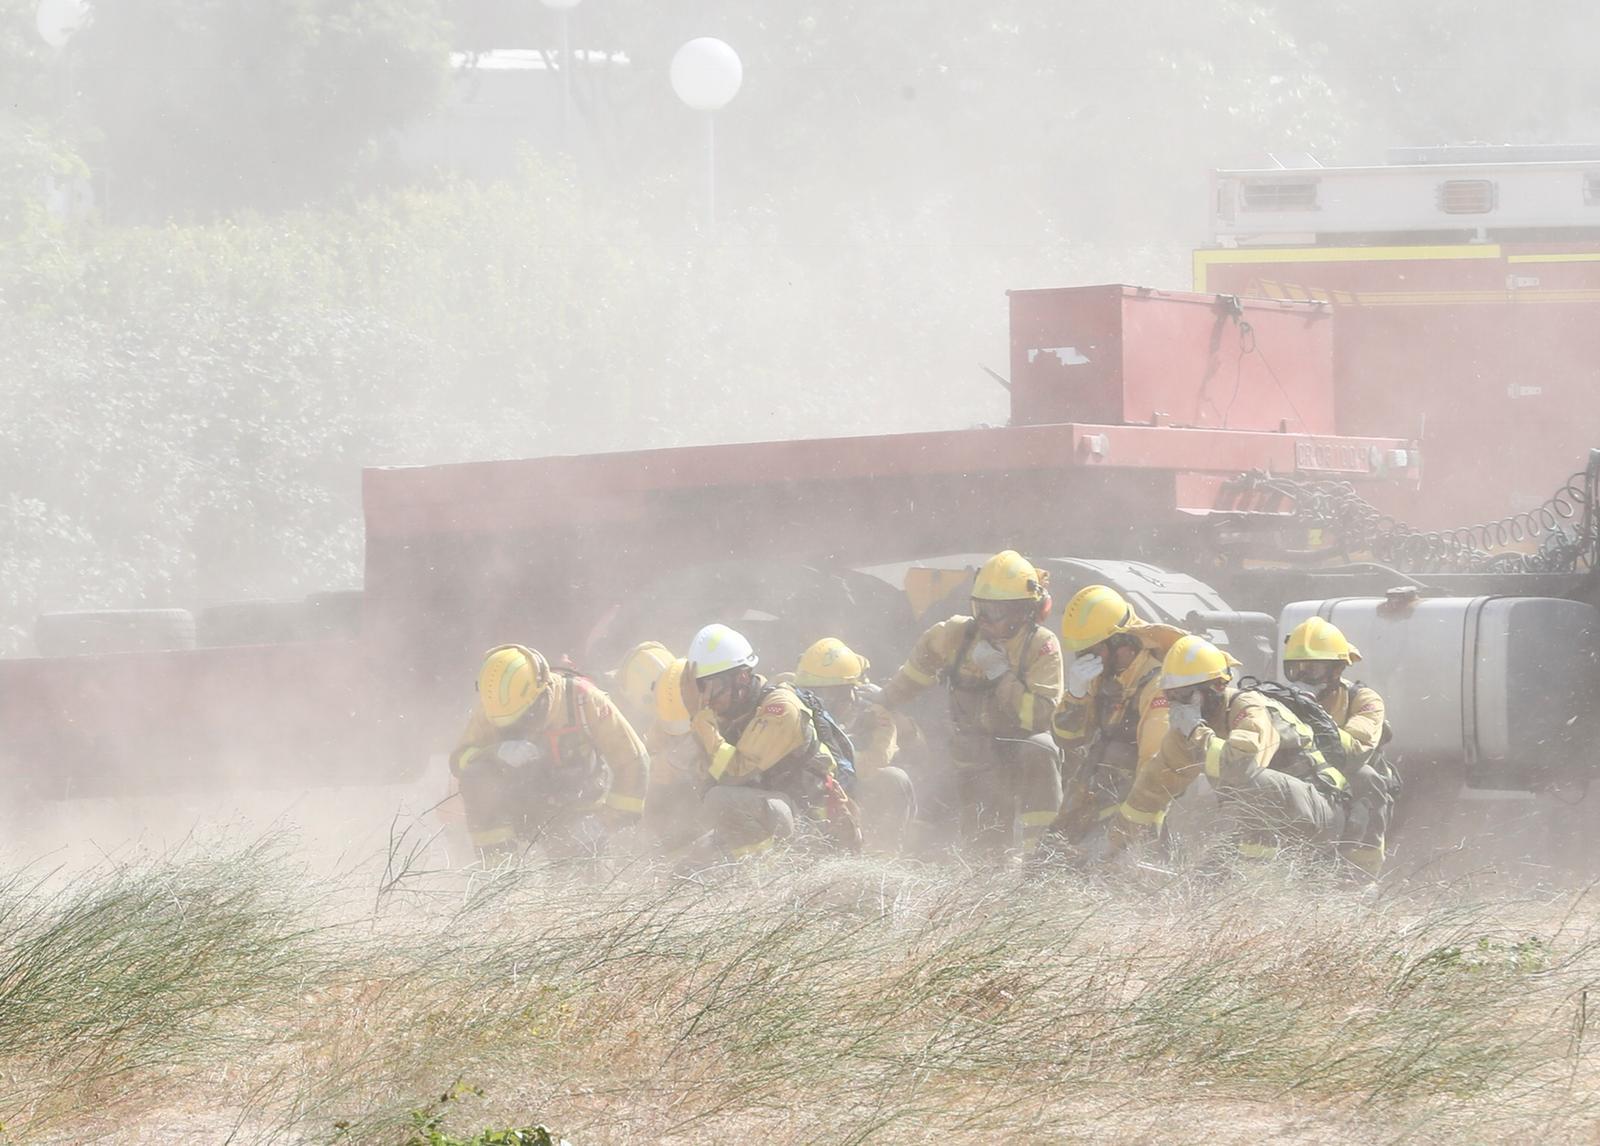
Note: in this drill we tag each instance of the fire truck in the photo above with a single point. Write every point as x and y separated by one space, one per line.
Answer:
1375 404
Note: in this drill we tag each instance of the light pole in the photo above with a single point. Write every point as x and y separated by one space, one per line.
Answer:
706 74
563 9
58 21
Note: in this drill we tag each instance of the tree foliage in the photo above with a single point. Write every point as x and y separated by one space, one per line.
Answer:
188 408
184 407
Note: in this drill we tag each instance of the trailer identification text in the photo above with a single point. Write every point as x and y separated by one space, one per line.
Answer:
1340 457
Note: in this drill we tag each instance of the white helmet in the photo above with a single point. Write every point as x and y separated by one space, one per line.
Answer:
717 648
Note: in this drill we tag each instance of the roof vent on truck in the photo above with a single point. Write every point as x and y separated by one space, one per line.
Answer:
1468 196
1298 193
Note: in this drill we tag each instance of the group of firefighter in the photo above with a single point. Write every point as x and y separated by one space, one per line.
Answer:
1074 747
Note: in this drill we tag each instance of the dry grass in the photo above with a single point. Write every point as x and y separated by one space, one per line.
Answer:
200 995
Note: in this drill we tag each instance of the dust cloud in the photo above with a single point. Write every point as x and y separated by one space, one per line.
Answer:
434 237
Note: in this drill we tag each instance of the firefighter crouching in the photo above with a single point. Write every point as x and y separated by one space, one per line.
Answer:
1003 673
546 756
1276 786
838 676
765 761
1113 715
672 809
632 684
1315 656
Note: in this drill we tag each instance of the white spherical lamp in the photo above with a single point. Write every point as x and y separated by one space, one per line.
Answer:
706 73
57 20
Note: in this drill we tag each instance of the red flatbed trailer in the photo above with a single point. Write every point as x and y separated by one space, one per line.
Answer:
1180 393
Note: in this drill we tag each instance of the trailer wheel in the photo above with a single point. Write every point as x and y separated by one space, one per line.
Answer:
334 614
113 631
252 623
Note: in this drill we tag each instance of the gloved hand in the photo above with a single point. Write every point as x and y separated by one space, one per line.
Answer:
1184 718
1084 671
516 753
704 729
990 660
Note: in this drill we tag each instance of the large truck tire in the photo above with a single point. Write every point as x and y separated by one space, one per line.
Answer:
113 631
252 623
334 614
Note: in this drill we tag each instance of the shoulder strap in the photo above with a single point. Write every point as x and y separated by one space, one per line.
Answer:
1027 645
577 717
969 637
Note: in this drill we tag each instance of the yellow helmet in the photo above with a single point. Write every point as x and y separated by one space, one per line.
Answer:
511 680
670 709
1194 660
1315 639
1094 613
830 662
1008 576
639 671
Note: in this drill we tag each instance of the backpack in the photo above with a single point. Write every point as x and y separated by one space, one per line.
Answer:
832 735
1299 718
1304 705
817 789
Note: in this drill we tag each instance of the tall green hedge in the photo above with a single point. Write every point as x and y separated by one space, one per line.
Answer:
185 410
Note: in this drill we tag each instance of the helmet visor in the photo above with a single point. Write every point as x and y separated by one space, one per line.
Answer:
1189 694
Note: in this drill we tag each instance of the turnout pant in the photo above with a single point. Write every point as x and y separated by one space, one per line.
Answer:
888 804
1274 810
746 820
506 806
1093 786
1004 784
1367 825
672 815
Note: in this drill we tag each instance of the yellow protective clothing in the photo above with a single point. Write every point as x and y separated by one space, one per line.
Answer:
671 711
1019 704
511 681
672 808
773 745
1271 800
884 791
587 756
830 663
880 735
888 805
635 678
1009 576
999 773
1104 737
751 745
1316 639
1194 660
1359 712
675 758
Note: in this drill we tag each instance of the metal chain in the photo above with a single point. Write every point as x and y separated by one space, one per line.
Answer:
1563 526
